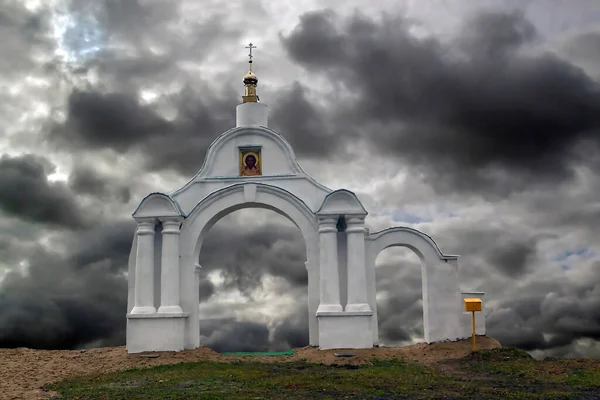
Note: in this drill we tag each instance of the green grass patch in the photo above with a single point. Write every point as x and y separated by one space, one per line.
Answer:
515 370
488 374
249 380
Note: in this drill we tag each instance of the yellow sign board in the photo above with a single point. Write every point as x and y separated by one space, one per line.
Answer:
472 305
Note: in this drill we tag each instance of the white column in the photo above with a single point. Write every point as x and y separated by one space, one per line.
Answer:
357 272
330 281
144 268
169 271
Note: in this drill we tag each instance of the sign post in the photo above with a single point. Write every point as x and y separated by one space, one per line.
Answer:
472 305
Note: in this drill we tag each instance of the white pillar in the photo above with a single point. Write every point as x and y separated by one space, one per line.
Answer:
330 281
144 268
169 271
357 272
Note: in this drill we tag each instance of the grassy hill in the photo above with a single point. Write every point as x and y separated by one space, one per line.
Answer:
487 374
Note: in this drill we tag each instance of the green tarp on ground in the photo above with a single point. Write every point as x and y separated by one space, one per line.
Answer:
259 354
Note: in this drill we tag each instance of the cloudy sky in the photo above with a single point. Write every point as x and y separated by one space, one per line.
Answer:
479 125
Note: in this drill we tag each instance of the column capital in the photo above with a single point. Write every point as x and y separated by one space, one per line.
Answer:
170 224
327 225
327 221
355 220
145 226
171 220
355 225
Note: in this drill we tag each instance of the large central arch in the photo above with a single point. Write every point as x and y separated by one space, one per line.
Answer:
222 202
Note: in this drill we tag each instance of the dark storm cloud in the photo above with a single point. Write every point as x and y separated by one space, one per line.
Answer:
512 256
399 305
119 122
482 110
206 289
56 305
292 331
550 315
228 334
96 120
303 123
245 255
25 192
109 244
86 180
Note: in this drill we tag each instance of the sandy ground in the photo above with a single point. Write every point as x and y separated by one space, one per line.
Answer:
24 371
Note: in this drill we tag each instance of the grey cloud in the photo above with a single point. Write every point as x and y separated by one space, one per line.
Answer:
245 254
550 316
119 122
25 35
292 331
55 306
495 116
109 244
512 256
26 192
86 180
231 335
303 123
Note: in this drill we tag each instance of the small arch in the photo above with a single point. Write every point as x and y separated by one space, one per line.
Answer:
439 278
342 202
158 205
419 242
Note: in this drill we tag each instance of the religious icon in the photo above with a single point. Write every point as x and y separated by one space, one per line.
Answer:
250 163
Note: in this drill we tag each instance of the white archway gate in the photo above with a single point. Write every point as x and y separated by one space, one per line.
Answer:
163 279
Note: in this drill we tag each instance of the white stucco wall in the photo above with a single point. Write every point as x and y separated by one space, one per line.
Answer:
279 168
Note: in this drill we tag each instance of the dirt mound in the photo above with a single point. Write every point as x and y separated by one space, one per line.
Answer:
499 354
24 371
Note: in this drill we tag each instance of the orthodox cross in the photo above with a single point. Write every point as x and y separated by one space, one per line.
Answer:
250 46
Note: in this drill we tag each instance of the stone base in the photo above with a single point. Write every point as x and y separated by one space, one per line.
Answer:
155 332
345 330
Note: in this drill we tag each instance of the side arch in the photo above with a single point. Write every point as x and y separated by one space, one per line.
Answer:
229 199
442 306
422 244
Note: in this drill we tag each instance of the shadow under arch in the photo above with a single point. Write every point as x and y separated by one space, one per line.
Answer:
439 279
223 202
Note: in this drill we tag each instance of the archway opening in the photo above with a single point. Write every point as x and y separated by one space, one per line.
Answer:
399 294
253 284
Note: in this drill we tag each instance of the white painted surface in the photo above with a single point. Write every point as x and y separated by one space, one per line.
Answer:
340 254
328 257
345 331
252 114
160 332
169 272
356 266
144 277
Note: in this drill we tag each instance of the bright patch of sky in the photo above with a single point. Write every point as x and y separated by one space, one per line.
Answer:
78 35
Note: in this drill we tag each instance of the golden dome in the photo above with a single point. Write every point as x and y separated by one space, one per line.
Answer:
250 75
